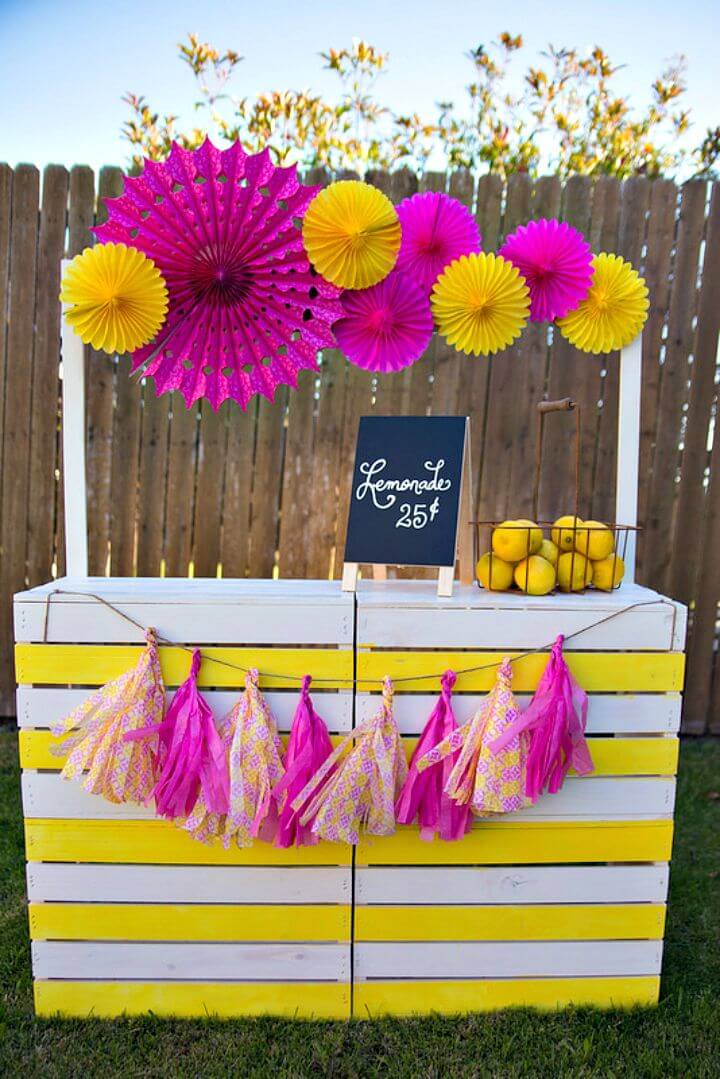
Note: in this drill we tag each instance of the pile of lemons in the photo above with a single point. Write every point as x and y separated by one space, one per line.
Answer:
578 553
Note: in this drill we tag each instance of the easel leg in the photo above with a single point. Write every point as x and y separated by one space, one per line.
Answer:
349 577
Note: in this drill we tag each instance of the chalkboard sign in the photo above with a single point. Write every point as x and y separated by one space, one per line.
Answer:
406 490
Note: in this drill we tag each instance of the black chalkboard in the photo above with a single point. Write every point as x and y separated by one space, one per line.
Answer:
406 490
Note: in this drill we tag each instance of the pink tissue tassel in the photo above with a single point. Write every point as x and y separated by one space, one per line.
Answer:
423 795
191 755
555 719
309 747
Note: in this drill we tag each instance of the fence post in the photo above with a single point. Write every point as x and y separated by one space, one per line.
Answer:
73 437
628 447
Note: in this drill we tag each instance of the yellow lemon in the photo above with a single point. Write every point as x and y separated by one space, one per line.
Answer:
608 572
535 575
594 540
574 571
564 537
513 540
494 574
549 551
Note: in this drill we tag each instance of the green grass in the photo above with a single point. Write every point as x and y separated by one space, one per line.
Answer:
680 1037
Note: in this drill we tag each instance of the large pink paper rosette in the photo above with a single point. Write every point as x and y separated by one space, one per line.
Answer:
436 230
385 327
246 311
556 263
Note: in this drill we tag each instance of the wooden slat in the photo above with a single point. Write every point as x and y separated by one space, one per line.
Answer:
267 484
199 962
45 377
673 388
404 998
496 483
296 509
99 389
510 959
630 921
125 469
691 499
159 843
67 882
46 794
238 485
152 480
64 664
108 1000
20 328
321 528
212 456
607 713
567 375
192 922
656 271
636 884
596 671
611 756
181 481
634 202
533 843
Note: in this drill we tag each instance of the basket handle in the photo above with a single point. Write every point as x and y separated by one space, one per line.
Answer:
544 408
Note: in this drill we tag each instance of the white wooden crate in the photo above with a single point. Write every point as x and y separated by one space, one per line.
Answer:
536 908
128 913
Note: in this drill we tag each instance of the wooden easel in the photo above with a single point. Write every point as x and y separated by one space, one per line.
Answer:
463 543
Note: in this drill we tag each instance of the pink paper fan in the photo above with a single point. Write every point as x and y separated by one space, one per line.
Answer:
435 230
247 312
556 263
385 327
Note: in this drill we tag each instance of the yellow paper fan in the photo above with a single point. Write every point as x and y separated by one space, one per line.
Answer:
118 298
351 233
613 312
480 303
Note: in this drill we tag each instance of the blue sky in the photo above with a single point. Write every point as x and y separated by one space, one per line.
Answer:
66 64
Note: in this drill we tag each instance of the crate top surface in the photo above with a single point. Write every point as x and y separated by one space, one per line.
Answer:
184 589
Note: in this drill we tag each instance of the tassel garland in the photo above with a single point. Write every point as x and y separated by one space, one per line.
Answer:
308 748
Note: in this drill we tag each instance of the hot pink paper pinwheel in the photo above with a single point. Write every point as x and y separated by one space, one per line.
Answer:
246 312
385 327
436 230
556 263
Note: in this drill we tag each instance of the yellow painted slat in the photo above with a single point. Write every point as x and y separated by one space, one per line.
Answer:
597 672
534 842
611 756
93 665
611 921
188 922
158 842
451 997
187 1000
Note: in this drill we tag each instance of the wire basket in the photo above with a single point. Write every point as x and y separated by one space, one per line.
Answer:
572 534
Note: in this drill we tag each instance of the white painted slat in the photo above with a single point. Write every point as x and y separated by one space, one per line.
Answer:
121 961
512 884
59 882
192 611
407 614
507 959
608 713
46 794
44 706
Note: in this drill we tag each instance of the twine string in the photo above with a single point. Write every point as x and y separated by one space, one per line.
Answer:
207 658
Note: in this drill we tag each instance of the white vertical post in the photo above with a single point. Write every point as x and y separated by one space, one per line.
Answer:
73 439
628 450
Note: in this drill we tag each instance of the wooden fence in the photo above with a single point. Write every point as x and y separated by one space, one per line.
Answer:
265 492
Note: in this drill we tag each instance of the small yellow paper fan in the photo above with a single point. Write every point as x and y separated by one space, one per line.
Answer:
118 298
351 233
480 303
614 311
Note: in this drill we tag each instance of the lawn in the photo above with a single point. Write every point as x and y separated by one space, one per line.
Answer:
680 1037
